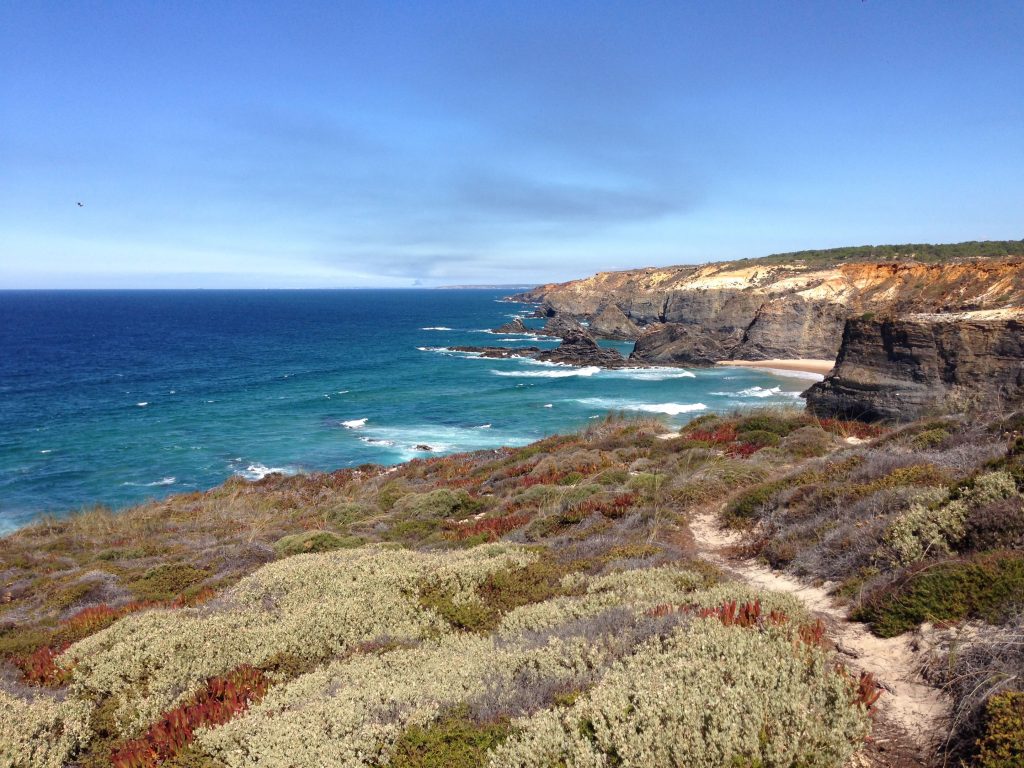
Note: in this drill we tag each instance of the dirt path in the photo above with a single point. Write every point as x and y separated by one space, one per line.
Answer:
913 707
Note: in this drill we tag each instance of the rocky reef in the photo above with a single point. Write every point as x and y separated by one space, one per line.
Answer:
906 367
579 348
512 327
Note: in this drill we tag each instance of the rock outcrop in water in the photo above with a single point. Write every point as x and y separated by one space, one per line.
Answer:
513 327
911 366
579 348
499 352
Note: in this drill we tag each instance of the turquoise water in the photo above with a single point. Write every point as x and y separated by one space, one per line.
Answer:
114 397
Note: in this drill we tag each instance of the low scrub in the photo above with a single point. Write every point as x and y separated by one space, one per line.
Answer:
986 587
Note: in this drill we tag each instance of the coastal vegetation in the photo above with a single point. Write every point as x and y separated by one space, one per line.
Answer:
535 606
930 253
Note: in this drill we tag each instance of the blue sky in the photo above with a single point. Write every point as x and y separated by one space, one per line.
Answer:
339 144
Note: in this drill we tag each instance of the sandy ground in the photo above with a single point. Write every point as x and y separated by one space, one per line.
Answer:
909 704
820 367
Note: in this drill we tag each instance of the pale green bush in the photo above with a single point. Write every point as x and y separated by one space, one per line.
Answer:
308 606
42 732
351 712
705 697
639 590
931 526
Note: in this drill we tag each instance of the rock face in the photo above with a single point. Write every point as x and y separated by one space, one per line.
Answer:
562 325
763 309
679 344
580 348
611 323
902 368
513 327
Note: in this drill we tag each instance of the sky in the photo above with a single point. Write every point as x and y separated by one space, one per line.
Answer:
399 144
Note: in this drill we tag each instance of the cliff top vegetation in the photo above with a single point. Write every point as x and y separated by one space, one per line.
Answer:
524 607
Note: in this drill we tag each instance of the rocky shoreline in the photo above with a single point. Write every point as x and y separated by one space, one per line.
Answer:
909 338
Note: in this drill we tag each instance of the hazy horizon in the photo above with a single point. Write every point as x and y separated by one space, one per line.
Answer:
354 145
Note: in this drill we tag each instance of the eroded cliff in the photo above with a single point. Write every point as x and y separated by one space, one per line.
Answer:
758 310
921 364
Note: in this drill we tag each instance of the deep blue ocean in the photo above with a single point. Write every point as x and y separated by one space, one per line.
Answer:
113 397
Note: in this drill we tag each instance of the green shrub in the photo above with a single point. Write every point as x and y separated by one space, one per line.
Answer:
778 425
1002 743
498 593
440 503
350 512
167 581
314 541
760 437
986 588
648 483
746 507
931 438
453 741
389 495
612 477
806 442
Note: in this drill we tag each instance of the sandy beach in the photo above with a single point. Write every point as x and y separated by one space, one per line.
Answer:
819 367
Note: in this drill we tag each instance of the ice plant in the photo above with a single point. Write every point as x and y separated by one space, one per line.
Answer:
217 702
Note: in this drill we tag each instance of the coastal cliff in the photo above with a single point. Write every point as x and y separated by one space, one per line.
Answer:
765 309
912 366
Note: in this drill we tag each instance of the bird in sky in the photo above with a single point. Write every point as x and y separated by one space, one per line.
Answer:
81 205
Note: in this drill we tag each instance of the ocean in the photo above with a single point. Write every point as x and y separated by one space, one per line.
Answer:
115 397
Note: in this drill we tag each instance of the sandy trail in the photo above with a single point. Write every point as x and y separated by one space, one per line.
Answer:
916 708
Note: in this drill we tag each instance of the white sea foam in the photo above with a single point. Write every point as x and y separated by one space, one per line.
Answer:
376 441
441 439
451 352
590 370
354 423
47 450
483 426
143 404
549 405
672 409
161 481
259 471
759 392
436 328
649 374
